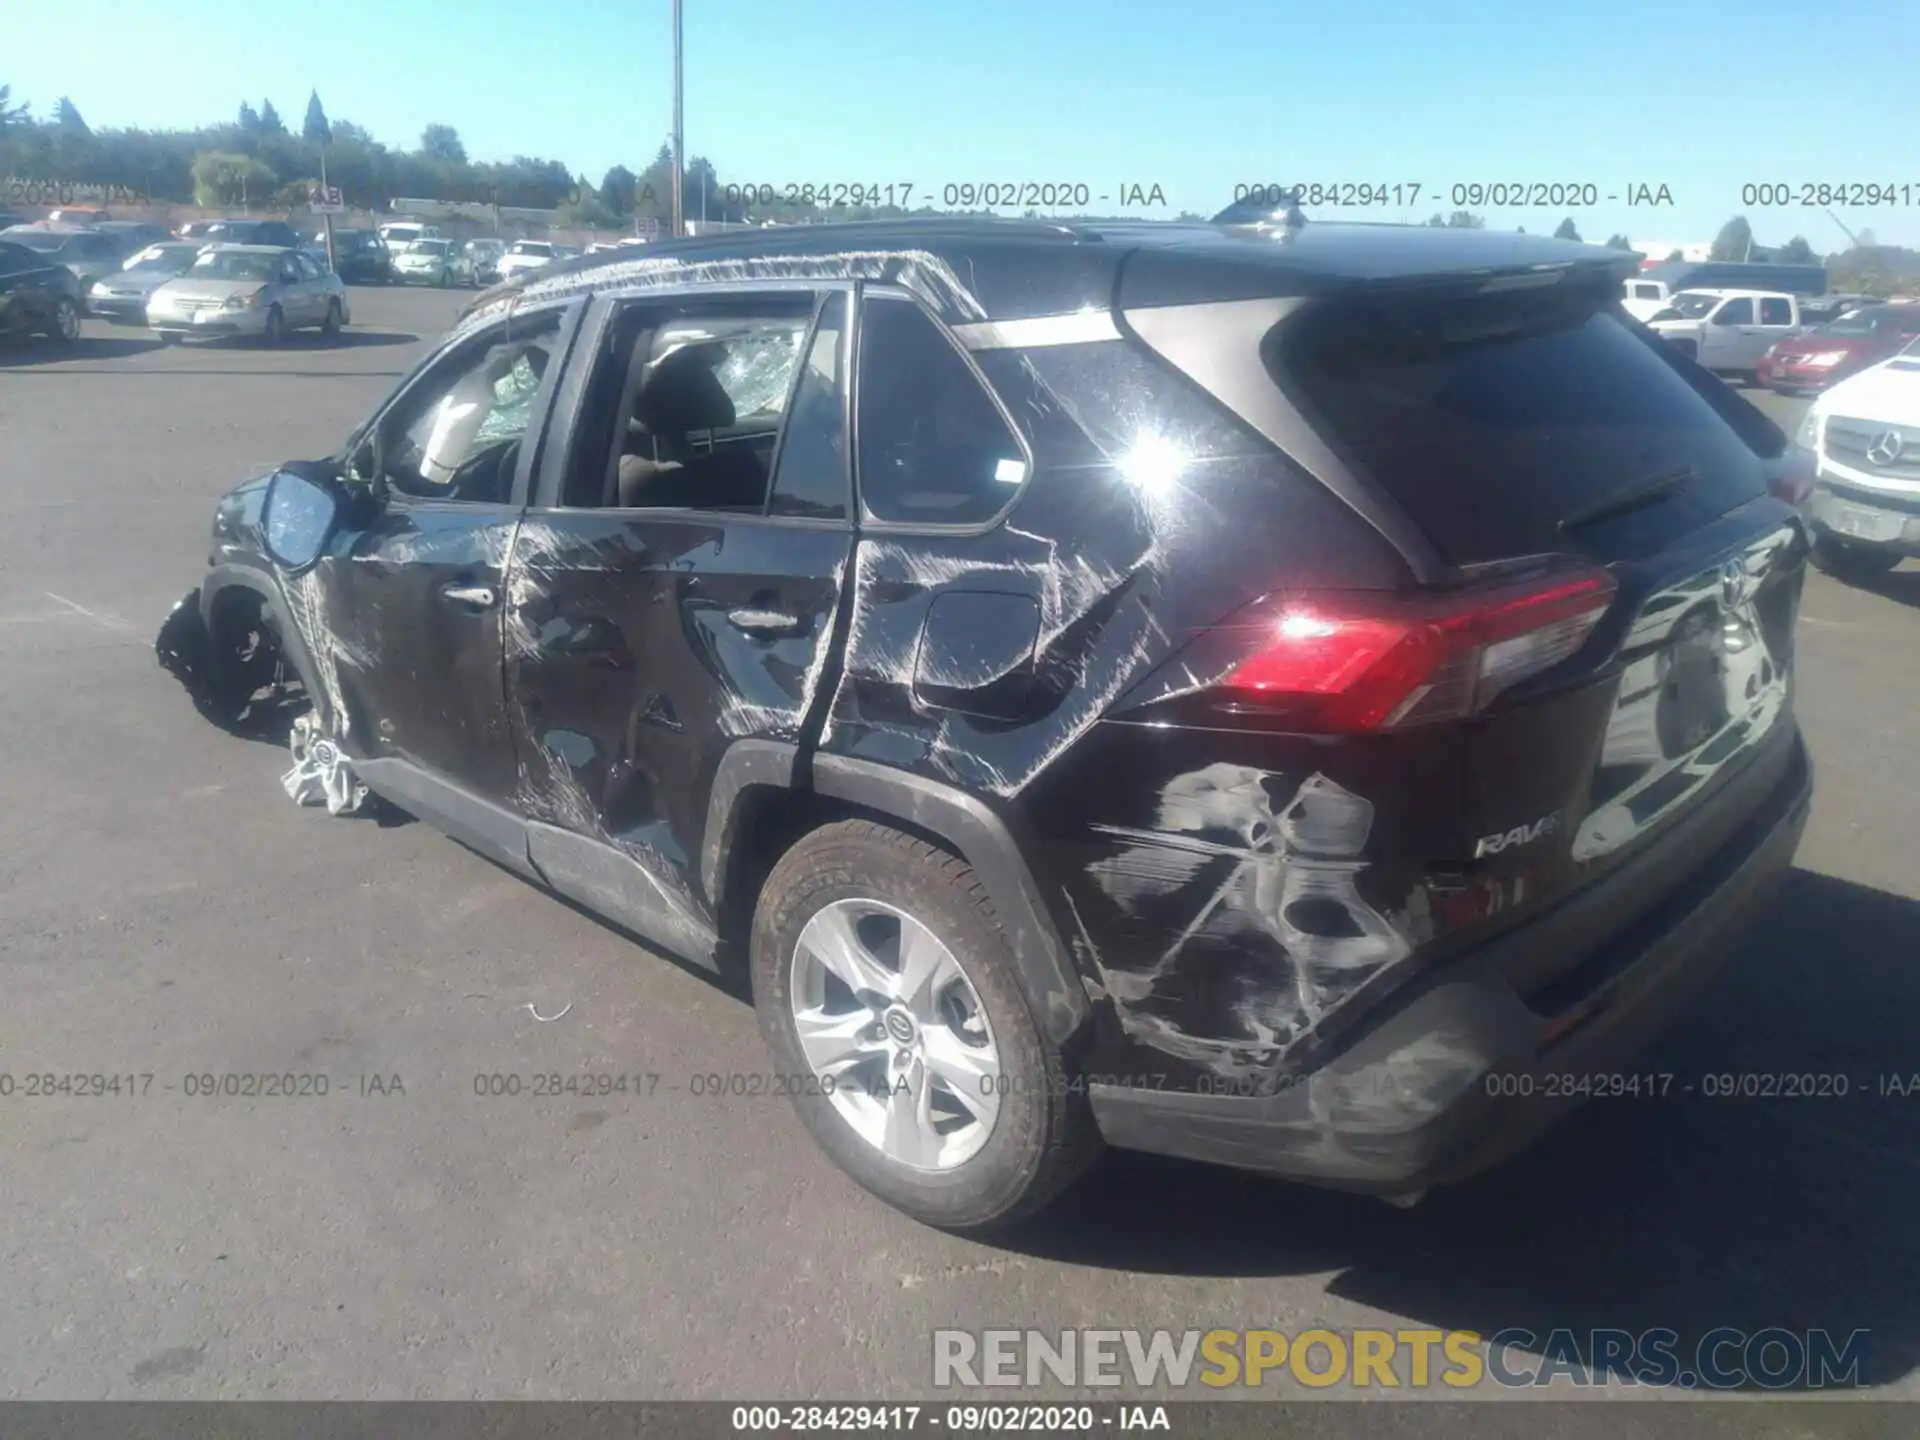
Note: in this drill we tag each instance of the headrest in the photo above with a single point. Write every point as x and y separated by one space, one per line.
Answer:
684 394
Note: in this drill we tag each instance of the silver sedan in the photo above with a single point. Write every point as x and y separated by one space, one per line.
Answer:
263 291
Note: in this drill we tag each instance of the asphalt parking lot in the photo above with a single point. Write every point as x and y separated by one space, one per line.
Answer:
165 910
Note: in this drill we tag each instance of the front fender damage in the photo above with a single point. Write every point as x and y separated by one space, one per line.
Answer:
184 648
241 680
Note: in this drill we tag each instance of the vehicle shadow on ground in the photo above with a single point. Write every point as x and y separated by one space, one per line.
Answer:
1688 1213
87 347
1901 585
118 347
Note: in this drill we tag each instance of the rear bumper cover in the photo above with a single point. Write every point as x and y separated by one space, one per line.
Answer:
1466 1073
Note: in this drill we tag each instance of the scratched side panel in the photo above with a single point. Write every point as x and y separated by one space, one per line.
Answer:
1149 516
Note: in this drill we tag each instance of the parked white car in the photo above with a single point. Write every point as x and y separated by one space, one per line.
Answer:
1728 330
434 261
525 255
398 234
1865 436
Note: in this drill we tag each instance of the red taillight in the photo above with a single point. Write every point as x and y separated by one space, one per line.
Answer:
1354 662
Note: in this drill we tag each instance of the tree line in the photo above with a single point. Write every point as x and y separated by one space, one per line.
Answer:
258 161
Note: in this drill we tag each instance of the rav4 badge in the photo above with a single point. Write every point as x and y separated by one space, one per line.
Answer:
1518 835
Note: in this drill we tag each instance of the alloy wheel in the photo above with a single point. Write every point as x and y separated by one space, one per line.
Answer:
66 319
896 1034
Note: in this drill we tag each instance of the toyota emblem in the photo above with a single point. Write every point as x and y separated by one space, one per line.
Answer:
1885 450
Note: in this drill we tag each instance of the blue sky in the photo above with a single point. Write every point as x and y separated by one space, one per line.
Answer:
1703 98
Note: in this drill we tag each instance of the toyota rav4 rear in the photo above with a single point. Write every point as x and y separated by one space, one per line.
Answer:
1379 871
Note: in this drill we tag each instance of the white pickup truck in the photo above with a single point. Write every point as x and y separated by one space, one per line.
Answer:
1644 299
1728 330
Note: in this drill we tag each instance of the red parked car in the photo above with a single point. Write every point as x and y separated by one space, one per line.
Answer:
1836 350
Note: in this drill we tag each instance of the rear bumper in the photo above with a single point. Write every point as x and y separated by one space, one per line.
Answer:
1466 1073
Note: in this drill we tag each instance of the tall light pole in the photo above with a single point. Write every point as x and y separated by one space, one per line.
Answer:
679 132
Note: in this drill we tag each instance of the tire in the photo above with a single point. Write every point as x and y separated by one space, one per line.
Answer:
276 331
874 880
65 325
1845 561
330 327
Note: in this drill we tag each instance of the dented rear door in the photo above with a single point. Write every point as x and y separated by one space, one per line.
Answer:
643 641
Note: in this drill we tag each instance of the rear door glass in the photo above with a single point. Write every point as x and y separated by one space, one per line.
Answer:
1492 419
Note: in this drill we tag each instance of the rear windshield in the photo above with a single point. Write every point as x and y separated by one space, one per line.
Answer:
1492 419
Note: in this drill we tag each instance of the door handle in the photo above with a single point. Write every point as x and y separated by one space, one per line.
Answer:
763 622
478 596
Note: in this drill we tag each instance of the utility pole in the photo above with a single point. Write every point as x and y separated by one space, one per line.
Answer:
328 217
679 133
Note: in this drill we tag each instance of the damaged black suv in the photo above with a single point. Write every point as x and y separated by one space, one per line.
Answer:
1266 692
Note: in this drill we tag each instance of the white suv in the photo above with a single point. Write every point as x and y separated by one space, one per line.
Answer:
1865 436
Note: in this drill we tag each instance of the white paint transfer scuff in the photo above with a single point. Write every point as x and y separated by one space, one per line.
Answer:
1292 878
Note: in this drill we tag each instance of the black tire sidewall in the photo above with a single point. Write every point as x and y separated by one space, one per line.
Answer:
866 861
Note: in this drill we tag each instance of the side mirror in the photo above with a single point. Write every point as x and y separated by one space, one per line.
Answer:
297 519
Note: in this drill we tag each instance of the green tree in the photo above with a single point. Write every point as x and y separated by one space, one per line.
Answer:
1734 242
442 142
1437 220
67 116
584 210
703 199
1798 252
1617 241
1675 255
222 177
10 113
315 130
248 119
616 189
1567 230
295 194
270 121
1466 220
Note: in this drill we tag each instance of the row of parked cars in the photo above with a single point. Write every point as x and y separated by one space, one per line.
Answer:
237 276
1790 343
411 253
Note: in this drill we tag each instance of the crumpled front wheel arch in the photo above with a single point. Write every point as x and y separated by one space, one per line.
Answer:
228 654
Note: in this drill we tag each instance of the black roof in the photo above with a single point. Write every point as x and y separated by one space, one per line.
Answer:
1014 268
